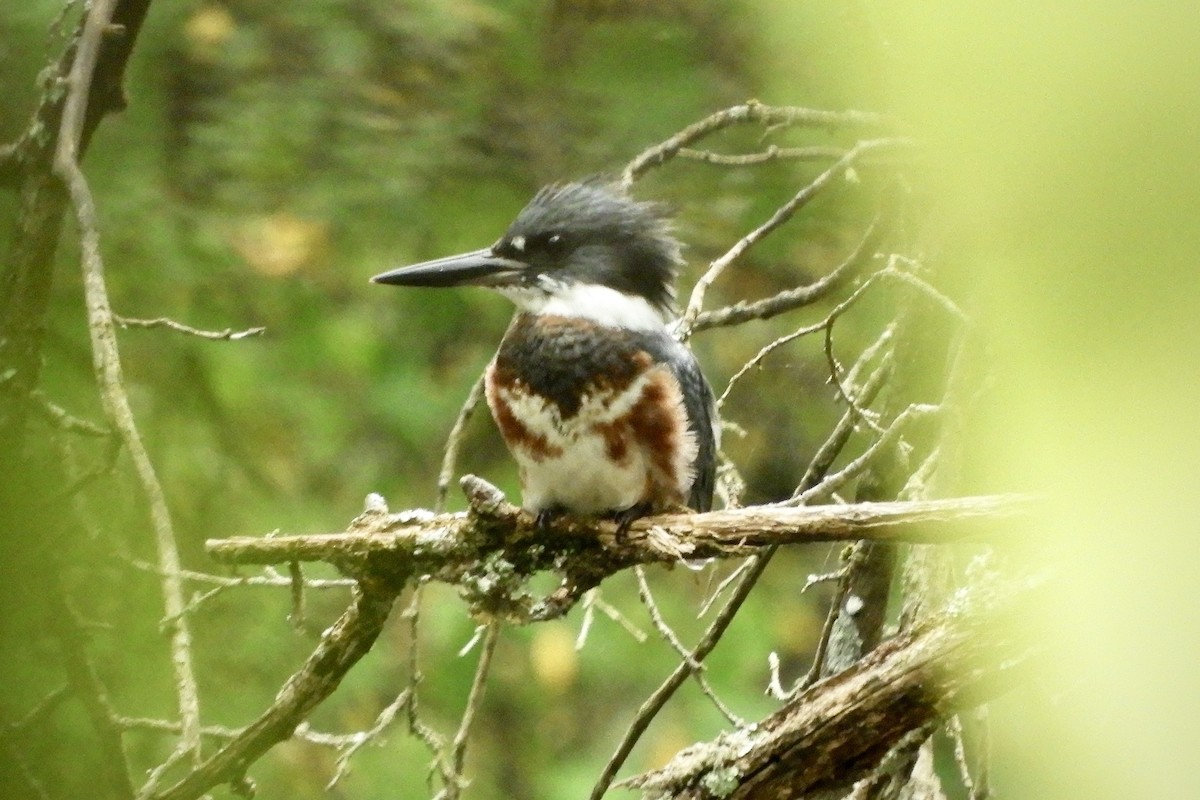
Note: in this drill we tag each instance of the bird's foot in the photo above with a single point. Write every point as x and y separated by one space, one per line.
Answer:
628 516
545 519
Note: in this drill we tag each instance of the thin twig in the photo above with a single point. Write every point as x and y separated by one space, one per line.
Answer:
824 577
224 733
654 703
833 483
751 112
474 699
358 740
296 576
829 450
63 419
269 580
835 606
765 351
593 601
43 709
725 583
799 296
454 442
416 726
781 215
660 624
672 638
825 325
87 686
771 154
228 335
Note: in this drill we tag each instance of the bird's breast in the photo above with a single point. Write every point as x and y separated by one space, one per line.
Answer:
594 423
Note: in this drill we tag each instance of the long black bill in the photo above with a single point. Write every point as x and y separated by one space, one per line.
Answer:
480 268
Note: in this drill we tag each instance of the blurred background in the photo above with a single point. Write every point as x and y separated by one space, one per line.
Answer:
274 157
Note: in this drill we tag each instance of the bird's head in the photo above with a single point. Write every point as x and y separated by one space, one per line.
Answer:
578 249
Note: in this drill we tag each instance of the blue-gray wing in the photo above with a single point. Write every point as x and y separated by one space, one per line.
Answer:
701 407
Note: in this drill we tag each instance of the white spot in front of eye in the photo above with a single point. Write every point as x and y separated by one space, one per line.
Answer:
518 243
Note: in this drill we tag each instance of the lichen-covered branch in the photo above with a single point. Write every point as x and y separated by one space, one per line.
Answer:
836 731
490 551
442 545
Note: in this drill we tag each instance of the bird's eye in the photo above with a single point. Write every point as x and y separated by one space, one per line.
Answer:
554 242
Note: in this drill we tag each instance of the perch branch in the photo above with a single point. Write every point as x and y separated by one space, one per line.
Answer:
444 546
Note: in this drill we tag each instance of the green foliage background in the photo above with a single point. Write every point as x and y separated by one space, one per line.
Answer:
272 158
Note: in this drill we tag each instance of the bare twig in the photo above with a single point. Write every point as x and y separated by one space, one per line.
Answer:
454 441
229 334
654 703
416 726
781 215
270 579
822 460
799 296
455 780
751 112
593 600
765 351
836 481
771 154
224 733
298 613
43 709
107 364
672 639
659 623
358 740
722 587
64 420
86 685
835 606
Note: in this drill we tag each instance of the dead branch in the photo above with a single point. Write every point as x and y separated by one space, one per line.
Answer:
841 727
750 112
228 334
447 546
799 296
350 638
781 215
106 358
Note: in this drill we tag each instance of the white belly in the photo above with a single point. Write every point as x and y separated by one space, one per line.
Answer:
583 479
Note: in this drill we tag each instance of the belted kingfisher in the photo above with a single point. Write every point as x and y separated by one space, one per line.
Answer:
603 410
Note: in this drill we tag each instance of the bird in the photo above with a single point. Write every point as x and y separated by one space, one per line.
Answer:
605 412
